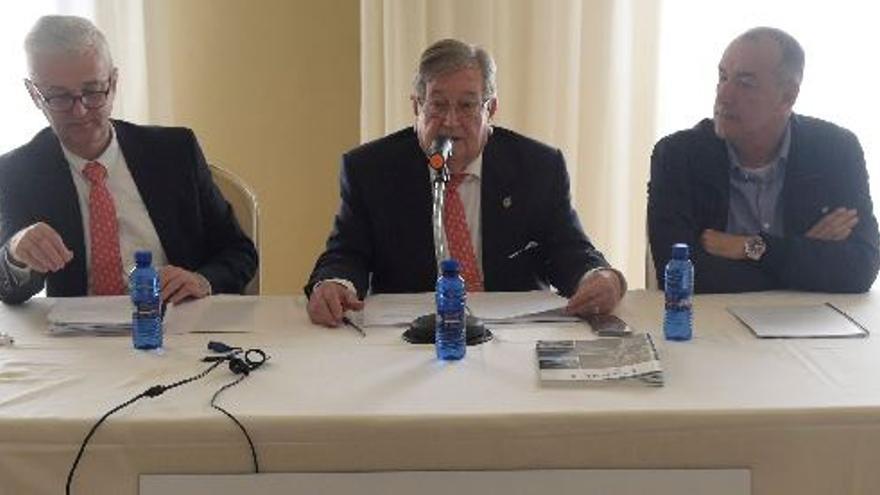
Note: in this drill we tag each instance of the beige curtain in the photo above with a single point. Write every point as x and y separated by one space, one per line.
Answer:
578 75
122 22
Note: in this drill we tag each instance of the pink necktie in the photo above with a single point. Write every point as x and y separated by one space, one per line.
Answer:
458 236
104 234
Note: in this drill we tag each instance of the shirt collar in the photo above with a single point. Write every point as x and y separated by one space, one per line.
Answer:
475 168
109 157
767 171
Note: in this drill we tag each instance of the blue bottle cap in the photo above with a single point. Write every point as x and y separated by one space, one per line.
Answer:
680 251
449 266
143 257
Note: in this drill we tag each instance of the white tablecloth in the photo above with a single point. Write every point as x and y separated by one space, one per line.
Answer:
803 415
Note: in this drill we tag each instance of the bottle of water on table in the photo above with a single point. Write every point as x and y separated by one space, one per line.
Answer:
679 286
146 319
451 296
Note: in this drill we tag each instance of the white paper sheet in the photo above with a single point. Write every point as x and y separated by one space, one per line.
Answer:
101 315
216 314
491 307
816 320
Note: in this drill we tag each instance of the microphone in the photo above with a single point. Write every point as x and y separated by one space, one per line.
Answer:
422 329
440 152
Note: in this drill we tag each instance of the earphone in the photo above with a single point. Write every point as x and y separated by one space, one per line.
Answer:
241 362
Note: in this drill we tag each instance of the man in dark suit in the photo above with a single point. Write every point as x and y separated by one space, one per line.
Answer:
82 196
517 232
767 199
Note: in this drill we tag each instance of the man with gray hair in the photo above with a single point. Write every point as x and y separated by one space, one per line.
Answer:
508 215
767 199
86 193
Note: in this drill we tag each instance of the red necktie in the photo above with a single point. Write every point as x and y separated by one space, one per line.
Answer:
458 236
104 234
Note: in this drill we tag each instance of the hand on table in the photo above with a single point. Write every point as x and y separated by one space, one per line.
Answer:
178 284
598 293
330 301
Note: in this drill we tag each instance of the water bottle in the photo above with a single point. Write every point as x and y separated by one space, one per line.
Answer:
679 277
450 330
146 319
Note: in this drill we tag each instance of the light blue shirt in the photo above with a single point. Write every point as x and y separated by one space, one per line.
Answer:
755 204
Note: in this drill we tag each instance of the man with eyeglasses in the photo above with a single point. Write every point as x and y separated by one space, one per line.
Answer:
85 193
767 199
508 213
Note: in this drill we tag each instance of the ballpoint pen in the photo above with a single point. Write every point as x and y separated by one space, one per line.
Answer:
528 246
346 320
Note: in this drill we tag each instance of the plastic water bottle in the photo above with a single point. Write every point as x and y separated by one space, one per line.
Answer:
679 277
450 336
146 319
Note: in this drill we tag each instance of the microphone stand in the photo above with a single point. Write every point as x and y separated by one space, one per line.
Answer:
423 329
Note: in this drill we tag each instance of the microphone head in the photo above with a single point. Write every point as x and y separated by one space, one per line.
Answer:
439 152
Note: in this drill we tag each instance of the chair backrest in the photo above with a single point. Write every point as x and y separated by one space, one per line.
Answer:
247 211
650 269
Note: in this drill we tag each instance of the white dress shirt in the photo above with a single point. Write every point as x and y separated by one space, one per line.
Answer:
136 230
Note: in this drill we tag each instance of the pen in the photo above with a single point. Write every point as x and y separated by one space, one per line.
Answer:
529 245
346 320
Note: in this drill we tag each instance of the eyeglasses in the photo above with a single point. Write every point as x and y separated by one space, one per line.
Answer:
64 102
465 109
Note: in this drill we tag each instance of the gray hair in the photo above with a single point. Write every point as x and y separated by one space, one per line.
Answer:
791 67
450 55
65 34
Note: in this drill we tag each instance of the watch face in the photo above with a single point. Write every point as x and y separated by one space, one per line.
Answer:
755 248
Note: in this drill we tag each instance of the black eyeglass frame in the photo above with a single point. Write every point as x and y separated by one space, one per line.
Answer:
65 102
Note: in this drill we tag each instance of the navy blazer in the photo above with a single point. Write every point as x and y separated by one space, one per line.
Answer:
689 192
382 238
195 224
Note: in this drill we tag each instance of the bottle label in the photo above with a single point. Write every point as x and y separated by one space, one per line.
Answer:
146 309
679 304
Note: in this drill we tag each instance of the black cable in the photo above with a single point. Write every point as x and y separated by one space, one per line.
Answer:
154 391
233 418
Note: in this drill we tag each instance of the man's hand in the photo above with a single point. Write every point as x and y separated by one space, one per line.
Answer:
725 245
599 292
178 284
835 226
40 248
330 301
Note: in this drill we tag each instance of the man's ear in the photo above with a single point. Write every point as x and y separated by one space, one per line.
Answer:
790 94
493 107
33 93
114 77
415 105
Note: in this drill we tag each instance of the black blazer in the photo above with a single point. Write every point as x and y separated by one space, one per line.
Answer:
382 238
195 224
689 192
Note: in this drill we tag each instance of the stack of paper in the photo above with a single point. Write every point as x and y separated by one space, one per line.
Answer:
95 315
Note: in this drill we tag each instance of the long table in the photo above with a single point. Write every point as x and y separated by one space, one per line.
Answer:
803 415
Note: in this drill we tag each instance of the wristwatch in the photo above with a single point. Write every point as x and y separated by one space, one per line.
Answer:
755 247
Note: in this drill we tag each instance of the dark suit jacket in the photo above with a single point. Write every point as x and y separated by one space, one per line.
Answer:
382 239
690 192
195 224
